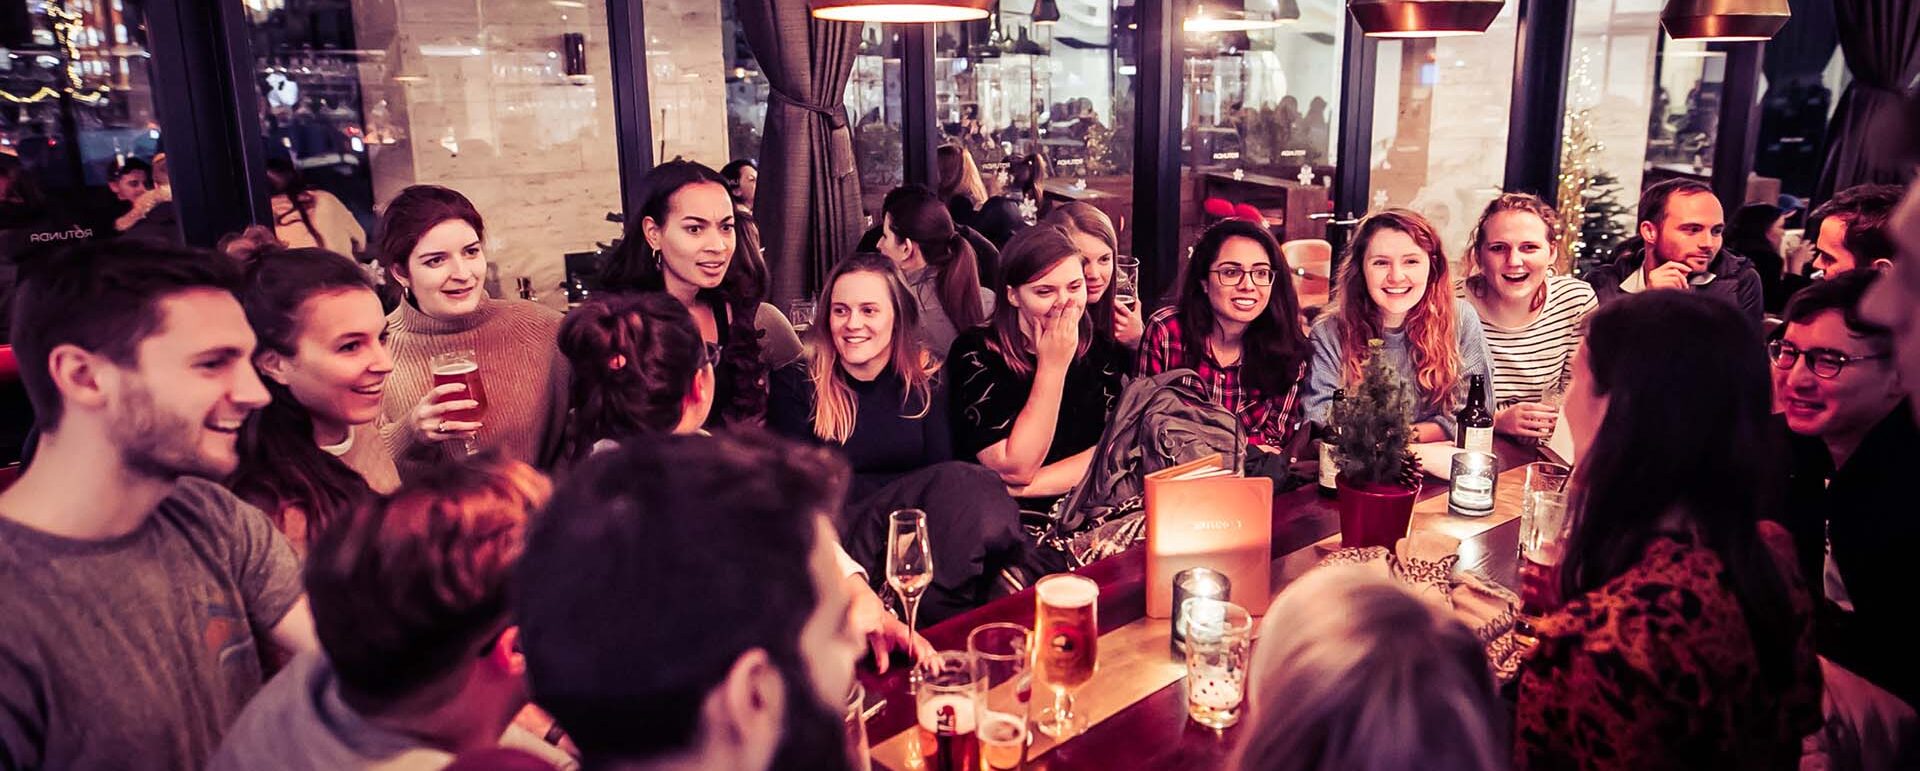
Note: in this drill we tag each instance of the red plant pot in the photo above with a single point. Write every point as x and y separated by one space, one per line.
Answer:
1374 514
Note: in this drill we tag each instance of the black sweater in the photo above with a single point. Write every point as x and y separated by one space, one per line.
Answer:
887 442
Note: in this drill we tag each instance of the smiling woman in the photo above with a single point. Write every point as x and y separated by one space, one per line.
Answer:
431 241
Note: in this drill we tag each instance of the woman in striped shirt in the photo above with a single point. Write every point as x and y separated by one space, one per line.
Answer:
1532 317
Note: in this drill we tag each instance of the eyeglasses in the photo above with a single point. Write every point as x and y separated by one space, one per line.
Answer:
712 353
1826 363
1231 275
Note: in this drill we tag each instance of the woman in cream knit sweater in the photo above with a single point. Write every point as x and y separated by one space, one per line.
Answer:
430 241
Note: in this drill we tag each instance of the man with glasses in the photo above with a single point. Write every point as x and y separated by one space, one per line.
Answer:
1854 451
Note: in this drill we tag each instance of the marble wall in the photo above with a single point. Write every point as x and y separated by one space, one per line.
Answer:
473 95
686 80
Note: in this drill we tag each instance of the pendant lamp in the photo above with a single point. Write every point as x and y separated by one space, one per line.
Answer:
899 11
1424 18
1724 20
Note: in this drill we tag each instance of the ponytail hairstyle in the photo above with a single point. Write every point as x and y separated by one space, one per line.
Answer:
1475 269
834 403
1086 219
1430 325
634 359
914 213
282 465
959 175
1030 254
287 181
633 267
1025 173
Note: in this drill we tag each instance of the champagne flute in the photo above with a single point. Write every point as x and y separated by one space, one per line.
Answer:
909 560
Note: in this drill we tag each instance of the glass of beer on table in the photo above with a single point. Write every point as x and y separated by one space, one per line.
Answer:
1219 649
1543 532
460 366
1065 648
946 704
1002 654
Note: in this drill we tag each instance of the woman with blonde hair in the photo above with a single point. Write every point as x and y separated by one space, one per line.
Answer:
872 390
1531 315
1093 232
1354 673
960 184
1393 287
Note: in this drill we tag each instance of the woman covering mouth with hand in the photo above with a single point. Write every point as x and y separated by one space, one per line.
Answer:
1393 287
1532 317
430 240
312 453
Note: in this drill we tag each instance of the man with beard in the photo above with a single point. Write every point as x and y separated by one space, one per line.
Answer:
134 593
1678 247
680 606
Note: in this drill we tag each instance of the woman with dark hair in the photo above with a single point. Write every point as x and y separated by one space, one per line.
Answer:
684 243
1019 205
1237 324
312 454
303 216
1393 287
1755 232
430 240
743 182
1034 386
918 234
1115 317
872 390
1531 317
1687 638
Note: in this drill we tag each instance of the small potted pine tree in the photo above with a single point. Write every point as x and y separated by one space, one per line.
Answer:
1379 478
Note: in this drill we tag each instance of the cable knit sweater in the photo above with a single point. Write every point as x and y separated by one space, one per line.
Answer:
520 365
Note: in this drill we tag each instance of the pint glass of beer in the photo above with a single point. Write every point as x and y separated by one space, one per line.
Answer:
1002 657
460 366
1543 531
1065 648
948 696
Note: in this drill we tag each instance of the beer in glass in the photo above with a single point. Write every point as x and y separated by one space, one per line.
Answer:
1002 656
1066 646
946 701
460 366
1543 531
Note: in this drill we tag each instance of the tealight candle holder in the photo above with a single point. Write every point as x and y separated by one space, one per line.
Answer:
1472 484
1195 583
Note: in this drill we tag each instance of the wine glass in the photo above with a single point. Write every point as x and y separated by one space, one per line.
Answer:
1066 647
909 560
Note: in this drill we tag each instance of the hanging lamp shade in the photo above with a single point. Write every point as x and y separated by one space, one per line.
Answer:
900 11
1046 12
1424 18
1724 20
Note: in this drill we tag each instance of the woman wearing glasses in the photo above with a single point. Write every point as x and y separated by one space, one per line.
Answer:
1393 287
1237 325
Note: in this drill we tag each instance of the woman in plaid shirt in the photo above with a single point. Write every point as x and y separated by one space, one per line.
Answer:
1237 323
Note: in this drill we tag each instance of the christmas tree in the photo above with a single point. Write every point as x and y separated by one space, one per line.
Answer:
1595 220
1375 423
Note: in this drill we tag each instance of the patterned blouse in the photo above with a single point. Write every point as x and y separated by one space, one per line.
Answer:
1268 419
1657 670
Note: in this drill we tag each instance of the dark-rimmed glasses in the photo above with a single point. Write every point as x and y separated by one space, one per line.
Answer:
1826 363
1230 275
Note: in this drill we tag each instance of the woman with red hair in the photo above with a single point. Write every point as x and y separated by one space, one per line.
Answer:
1393 287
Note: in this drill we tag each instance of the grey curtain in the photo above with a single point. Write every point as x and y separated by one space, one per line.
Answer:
1881 41
808 203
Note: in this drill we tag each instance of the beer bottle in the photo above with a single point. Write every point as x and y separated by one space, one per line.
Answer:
1475 422
1329 457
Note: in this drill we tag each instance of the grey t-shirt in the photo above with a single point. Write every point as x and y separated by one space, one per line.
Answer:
136 652
300 723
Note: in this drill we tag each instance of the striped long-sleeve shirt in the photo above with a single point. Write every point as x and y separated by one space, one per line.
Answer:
1531 360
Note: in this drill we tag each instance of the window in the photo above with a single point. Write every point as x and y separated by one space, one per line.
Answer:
873 109
508 102
77 105
1052 78
1610 87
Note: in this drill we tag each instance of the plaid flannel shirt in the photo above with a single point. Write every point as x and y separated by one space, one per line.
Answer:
1269 420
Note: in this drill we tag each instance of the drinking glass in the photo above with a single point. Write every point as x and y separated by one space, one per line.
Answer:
1002 653
460 366
909 560
856 725
1543 530
1542 477
800 314
945 704
1066 647
1219 646
1126 278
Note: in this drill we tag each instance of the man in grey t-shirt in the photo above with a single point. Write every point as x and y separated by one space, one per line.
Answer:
135 594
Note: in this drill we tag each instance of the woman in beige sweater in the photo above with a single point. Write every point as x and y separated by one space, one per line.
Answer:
429 240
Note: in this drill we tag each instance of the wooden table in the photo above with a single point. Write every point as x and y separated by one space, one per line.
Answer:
1152 731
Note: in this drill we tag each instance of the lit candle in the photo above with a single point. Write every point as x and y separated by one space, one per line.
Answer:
1472 484
1195 583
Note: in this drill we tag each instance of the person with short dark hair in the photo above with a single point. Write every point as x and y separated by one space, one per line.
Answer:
1854 449
1853 230
420 659
130 179
1685 638
137 595
684 608
1678 247
743 182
